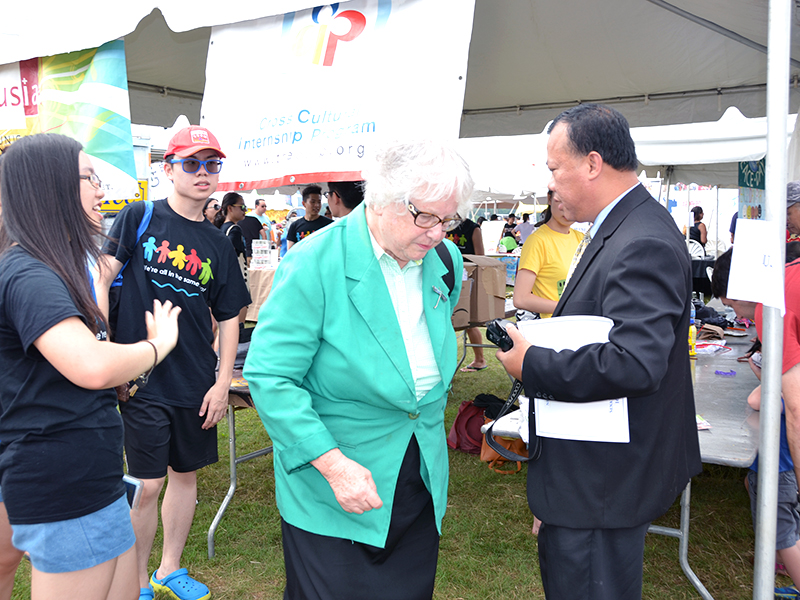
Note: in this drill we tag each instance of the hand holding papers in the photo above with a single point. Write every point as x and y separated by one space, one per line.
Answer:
600 421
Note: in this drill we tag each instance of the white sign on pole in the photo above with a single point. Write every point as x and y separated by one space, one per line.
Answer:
301 97
756 264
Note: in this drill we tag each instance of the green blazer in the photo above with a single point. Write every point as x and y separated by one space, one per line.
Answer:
328 369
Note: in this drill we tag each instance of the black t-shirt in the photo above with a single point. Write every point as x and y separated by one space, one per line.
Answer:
251 229
461 236
61 444
234 233
192 264
302 228
694 234
508 229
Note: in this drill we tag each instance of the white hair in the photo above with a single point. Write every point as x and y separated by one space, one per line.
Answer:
420 169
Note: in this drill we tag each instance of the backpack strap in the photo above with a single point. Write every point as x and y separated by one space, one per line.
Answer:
449 277
146 217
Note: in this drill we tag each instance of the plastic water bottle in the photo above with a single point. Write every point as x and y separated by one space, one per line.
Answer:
692 334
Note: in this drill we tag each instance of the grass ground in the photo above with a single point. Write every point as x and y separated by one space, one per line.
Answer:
487 550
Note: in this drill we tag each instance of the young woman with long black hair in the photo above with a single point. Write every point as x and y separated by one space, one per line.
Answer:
60 431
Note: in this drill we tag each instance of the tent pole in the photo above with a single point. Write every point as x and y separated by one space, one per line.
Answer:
778 42
716 223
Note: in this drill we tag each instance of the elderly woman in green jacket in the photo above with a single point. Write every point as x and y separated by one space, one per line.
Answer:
349 368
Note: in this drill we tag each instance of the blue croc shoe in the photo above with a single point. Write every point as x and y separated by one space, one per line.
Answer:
180 586
146 594
786 592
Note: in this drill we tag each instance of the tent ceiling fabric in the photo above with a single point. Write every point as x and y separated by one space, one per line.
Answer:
81 24
538 54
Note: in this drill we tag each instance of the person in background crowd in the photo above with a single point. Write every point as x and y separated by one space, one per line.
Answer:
545 261
524 229
344 196
793 211
260 213
312 221
252 229
698 231
596 499
732 228
510 225
468 239
228 218
788 552
170 429
284 229
62 434
211 208
353 393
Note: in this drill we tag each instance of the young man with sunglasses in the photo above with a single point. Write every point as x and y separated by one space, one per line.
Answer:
170 424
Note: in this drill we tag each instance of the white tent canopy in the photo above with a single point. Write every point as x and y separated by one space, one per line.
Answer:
527 61
703 153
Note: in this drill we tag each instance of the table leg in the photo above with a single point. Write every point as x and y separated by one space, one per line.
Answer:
232 489
683 535
234 461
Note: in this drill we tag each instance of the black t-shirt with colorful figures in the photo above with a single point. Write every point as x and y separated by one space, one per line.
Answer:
192 264
461 236
302 228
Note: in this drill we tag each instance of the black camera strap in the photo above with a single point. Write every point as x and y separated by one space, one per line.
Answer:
534 444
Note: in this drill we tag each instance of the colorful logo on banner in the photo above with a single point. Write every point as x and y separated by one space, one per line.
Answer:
317 42
83 95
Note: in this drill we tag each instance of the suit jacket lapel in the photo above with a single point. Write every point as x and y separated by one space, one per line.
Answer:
369 294
614 219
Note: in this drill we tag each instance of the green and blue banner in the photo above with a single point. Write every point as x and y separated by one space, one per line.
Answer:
83 95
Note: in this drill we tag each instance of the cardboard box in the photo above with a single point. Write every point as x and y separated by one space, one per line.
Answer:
488 297
461 312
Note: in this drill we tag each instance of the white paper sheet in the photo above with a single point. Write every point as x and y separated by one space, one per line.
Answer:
600 421
756 265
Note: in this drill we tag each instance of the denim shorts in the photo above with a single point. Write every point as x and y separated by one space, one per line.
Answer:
788 528
81 543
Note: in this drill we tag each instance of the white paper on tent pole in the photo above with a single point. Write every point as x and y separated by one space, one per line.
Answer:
600 421
756 265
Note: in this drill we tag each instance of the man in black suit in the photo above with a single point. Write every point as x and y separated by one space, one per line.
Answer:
597 499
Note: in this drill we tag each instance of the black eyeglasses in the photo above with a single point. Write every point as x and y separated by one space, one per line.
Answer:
242 206
93 180
213 206
192 165
426 220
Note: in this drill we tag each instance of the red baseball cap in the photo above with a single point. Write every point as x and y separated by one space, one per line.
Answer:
190 140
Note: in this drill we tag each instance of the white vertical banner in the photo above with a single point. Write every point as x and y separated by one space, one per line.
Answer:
301 97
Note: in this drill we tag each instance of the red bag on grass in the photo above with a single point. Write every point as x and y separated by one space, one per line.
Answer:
465 434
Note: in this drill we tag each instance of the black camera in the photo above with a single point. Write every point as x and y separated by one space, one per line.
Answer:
497 334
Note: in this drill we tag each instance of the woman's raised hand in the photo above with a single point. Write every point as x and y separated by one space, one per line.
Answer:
162 327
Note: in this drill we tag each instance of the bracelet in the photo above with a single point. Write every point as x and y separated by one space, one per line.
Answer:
142 379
